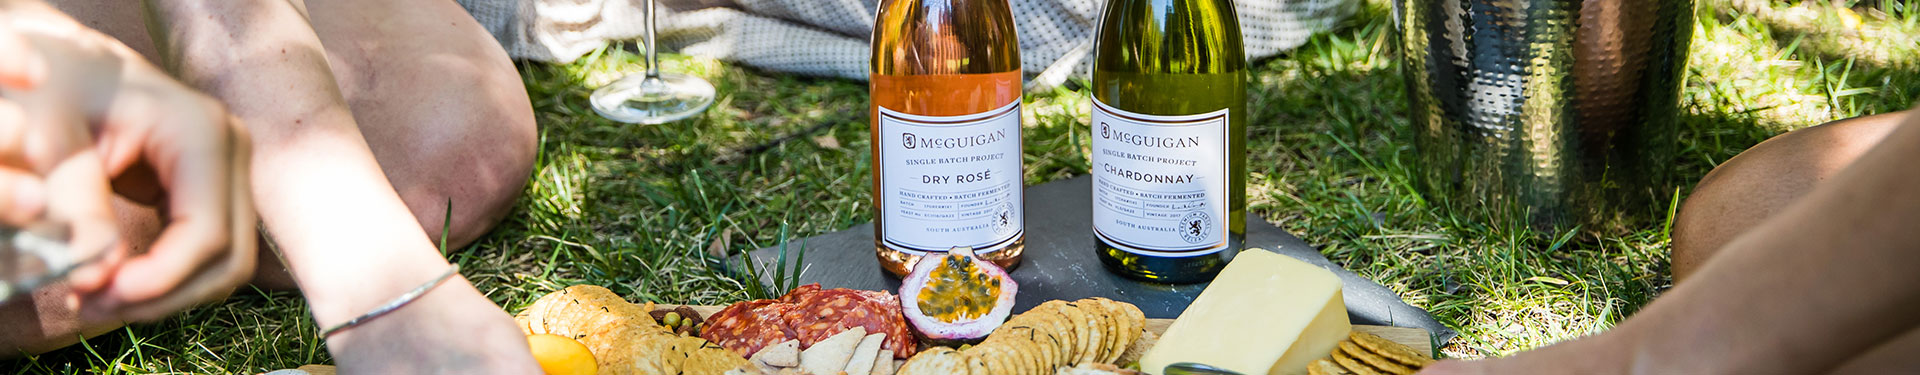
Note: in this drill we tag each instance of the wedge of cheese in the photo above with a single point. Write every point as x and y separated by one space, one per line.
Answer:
1265 313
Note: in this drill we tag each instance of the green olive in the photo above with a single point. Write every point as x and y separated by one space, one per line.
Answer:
672 320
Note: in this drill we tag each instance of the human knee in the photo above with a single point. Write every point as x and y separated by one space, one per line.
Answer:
482 160
479 175
1759 182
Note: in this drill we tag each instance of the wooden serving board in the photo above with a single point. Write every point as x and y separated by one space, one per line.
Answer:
1415 338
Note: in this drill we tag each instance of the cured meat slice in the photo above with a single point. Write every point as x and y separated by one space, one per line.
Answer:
810 314
746 327
821 314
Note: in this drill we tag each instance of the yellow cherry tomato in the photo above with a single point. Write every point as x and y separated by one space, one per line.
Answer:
559 355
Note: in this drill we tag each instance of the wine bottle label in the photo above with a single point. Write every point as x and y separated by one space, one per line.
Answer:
949 181
1160 182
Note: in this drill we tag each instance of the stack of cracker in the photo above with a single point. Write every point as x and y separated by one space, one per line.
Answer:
1366 354
1042 340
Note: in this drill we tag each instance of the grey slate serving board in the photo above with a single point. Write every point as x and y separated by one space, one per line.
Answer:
1060 264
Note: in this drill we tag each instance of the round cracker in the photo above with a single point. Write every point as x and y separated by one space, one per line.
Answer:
1116 333
1018 349
1124 329
1034 345
1020 333
1137 324
1389 349
1096 332
1074 337
1048 317
997 356
1048 320
1047 345
980 350
1019 357
1353 365
1324 366
918 362
1110 328
975 365
1097 337
1378 362
946 362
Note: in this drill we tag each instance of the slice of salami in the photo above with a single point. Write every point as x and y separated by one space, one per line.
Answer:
810 314
746 327
799 293
822 313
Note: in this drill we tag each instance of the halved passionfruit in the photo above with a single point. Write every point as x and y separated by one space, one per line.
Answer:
956 297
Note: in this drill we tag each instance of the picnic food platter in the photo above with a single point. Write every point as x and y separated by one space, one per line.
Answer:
1414 339
1276 297
1265 313
627 339
950 319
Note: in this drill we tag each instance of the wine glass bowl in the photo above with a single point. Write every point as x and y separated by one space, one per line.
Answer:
641 99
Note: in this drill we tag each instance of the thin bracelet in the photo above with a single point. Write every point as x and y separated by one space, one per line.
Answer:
396 303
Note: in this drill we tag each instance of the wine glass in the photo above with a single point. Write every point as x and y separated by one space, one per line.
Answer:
37 256
652 98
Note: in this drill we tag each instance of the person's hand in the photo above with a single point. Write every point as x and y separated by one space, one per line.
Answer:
82 118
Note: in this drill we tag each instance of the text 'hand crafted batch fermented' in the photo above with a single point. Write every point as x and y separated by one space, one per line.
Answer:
946 131
1169 148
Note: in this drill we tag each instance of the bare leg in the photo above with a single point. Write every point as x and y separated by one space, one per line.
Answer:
1837 298
324 198
1765 179
1893 357
440 104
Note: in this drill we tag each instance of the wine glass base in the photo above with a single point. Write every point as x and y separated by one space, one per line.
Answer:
636 99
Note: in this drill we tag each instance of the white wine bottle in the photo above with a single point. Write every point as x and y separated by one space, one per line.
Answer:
947 172
1169 139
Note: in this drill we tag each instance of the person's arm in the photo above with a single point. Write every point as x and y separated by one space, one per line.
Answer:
349 240
1831 277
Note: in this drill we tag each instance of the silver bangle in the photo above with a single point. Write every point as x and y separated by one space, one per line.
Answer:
396 303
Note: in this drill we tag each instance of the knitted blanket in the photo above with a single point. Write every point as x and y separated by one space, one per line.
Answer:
829 38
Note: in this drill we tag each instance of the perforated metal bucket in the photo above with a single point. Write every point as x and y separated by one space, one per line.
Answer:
1552 113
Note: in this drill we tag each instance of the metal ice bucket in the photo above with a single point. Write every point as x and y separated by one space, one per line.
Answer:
1545 113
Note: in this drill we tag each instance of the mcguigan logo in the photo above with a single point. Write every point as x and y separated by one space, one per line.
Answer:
911 141
1146 140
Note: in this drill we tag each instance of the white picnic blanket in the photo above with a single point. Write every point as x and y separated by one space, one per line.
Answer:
829 37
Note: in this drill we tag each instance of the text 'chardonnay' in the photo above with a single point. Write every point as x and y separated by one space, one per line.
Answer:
1169 148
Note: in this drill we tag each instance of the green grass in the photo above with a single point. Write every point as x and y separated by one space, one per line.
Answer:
637 208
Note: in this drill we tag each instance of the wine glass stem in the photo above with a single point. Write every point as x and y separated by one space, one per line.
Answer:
653 57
